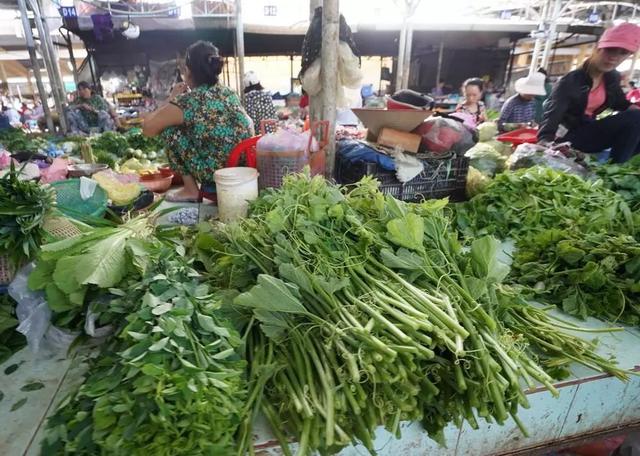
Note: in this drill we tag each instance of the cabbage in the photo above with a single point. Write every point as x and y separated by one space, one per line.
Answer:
502 148
485 158
487 131
476 182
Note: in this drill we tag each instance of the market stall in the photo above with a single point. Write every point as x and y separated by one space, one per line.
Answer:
373 317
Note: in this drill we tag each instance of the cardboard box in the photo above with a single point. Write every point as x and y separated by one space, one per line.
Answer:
409 142
376 119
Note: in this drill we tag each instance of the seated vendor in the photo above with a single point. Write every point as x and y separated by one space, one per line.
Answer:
202 122
472 103
90 111
520 109
571 111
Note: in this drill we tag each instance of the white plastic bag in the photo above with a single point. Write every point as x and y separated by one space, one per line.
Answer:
34 316
408 167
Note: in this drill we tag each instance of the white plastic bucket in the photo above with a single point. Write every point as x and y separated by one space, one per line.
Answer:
235 187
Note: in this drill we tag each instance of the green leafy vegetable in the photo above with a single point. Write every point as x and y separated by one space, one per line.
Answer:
23 208
169 383
531 200
592 274
10 340
362 311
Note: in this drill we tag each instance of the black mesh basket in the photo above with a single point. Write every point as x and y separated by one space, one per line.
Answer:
440 178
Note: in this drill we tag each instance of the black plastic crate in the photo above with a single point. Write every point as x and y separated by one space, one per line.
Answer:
440 178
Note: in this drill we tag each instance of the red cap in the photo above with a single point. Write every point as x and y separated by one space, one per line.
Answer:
625 36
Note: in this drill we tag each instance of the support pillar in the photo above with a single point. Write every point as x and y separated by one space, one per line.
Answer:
31 47
329 74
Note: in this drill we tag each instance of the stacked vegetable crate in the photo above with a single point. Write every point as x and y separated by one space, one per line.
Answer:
440 178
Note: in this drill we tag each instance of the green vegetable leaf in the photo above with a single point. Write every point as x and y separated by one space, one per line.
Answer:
272 294
41 275
104 264
485 260
11 369
407 231
32 386
403 259
297 276
569 253
159 345
162 308
18 404
64 276
57 300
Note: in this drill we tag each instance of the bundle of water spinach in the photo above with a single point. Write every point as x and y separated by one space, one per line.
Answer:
362 311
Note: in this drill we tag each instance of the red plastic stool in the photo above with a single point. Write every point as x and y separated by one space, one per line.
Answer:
246 147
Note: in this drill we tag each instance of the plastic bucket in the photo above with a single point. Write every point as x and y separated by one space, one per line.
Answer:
235 187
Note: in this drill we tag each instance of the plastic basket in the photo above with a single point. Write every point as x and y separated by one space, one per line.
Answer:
273 166
519 136
71 204
7 271
440 178
59 228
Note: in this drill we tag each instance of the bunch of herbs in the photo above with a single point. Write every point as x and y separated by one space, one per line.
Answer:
585 274
24 205
518 203
170 381
362 311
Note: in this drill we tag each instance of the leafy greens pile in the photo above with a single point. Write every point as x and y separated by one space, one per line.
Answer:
23 208
169 383
10 340
586 274
530 200
360 310
16 140
117 144
74 271
623 179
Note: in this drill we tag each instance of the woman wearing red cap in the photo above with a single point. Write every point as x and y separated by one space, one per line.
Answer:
571 110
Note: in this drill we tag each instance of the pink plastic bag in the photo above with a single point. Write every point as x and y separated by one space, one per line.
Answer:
56 172
5 159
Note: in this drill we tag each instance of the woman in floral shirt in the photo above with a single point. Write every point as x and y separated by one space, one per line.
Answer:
201 123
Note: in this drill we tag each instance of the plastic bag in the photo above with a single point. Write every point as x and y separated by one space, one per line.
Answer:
285 140
441 135
34 316
350 72
5 159
352 151
56 172
408 167
559 157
